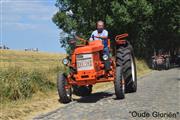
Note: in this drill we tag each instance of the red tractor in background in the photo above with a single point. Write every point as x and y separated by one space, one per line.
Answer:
89 65
161 60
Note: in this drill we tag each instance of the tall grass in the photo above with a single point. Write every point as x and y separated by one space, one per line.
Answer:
23 74
18 83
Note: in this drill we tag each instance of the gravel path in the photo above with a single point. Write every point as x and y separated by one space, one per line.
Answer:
158 97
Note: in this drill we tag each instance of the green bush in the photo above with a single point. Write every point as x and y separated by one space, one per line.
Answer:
17 83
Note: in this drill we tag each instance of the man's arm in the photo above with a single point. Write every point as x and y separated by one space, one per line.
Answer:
105 35
102 37
92 37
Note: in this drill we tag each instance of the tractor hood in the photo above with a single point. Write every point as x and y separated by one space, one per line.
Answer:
93 46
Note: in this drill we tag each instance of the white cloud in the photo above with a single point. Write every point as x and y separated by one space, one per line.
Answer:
20 26
26 13
39 17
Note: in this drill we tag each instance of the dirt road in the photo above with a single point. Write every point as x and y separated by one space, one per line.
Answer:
158 97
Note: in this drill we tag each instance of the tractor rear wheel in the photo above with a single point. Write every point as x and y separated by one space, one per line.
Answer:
64 93
126 59
167 63
153 65
82 90
119 85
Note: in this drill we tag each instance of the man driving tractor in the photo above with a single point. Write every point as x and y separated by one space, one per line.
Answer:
101 34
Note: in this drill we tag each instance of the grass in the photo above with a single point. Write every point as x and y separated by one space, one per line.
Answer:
23 74
141 67
10 58
26 109
28 83
17 83
27 79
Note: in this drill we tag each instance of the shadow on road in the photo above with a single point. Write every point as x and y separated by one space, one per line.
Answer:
162 69
94 97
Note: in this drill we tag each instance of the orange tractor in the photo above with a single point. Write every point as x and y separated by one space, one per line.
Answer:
89 65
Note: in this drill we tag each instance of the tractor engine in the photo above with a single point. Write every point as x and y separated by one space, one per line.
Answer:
88 66
89 61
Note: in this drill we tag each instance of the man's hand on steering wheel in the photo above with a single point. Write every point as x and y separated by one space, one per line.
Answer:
101 37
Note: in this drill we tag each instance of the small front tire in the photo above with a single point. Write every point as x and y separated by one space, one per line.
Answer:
65 94
119 85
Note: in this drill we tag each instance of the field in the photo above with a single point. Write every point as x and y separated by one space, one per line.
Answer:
26 60
24 78
23 74
28 82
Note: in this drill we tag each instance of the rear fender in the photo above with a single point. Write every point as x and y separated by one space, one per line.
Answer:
120 39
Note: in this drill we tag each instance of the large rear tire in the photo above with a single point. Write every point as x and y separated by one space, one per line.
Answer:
167 64
153 64
82 90
126 59
64 93
119 86
130 75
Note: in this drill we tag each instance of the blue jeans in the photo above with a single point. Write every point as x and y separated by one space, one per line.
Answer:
106 49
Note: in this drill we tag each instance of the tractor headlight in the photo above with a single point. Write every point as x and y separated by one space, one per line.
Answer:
105 57
65 61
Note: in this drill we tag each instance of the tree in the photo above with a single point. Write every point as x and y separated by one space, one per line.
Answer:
148 22
166 21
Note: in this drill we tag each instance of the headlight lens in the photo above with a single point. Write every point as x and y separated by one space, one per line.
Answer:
105 57
65 61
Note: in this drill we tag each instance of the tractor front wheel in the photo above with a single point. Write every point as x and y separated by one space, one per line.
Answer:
119 85
153 65
167 64
64 93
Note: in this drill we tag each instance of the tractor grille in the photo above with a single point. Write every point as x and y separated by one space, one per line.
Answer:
84 62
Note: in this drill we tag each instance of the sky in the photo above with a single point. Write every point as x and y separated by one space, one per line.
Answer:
28 24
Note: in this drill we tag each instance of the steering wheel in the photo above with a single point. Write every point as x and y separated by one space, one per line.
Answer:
83 40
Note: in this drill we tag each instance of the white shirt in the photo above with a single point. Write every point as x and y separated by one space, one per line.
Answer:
104 33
